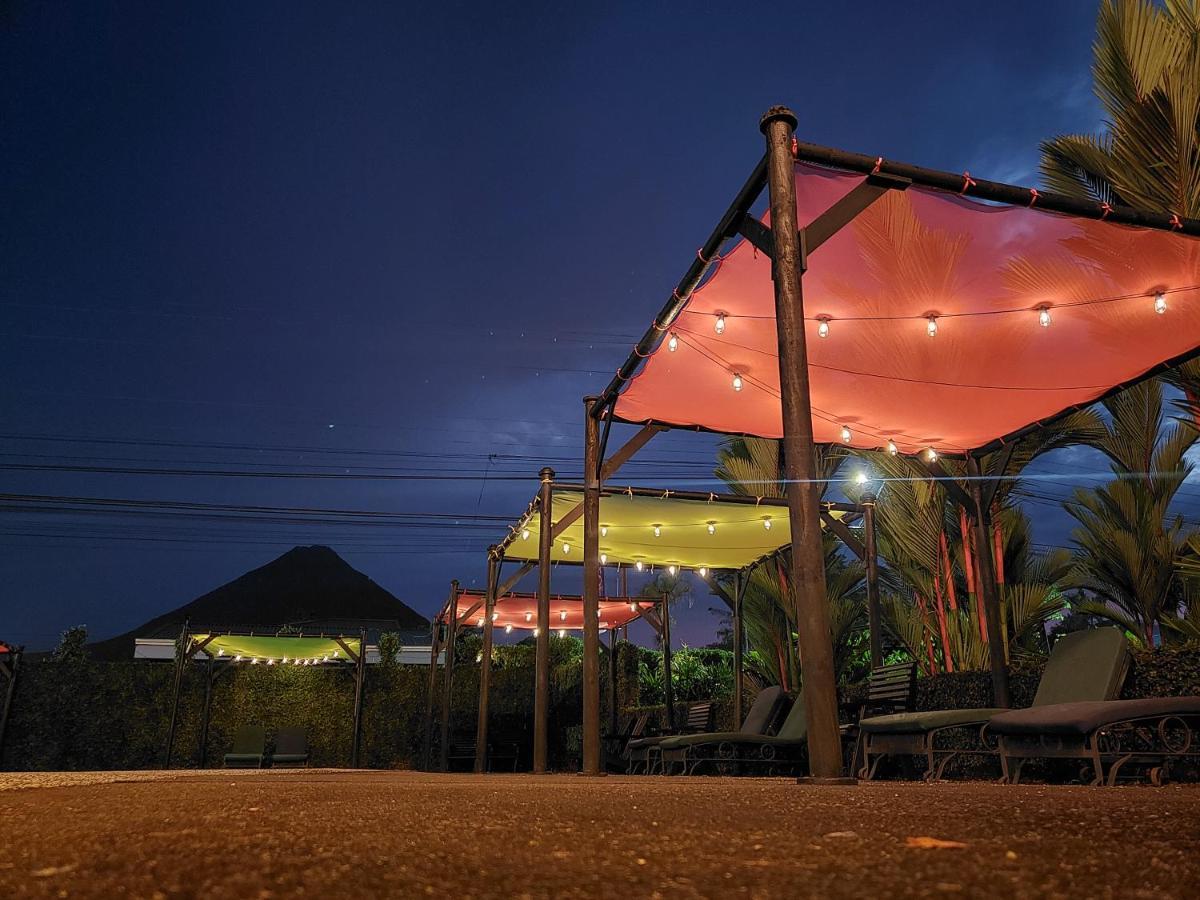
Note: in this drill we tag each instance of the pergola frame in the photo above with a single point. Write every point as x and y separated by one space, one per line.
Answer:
788 244
189 644
446 624
549 531
10 667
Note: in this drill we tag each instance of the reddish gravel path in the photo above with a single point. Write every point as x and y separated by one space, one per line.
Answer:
364 834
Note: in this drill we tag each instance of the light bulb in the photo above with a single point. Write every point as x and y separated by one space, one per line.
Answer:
845 435
562 632
860 477
892 448
603 531
703 571
673 342
737 381
220 653
1160 303
566 547
480 622
1044 317
823 328
931 455
639 565
603 559
478 657
495 616
633 607
598 612
535 632
767 522
658 531
719 325
931 326
672 570
270 662
562 616
237 658
524 534
336 652
283 661
508 629
254 660
712 527
528 617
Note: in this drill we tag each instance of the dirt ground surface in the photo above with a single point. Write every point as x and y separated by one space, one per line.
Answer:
320 833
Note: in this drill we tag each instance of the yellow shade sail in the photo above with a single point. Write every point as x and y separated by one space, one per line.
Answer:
663 531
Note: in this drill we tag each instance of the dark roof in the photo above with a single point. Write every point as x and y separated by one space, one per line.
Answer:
311 588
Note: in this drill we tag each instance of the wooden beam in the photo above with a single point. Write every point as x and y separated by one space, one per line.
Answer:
838 527
843 212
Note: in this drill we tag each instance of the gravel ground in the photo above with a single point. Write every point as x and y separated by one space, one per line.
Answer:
367 834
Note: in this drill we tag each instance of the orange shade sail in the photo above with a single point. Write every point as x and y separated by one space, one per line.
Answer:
1032 313
520 611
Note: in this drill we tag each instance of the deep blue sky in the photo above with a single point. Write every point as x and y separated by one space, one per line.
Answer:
424 230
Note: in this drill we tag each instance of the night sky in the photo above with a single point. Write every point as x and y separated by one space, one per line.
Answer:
394 239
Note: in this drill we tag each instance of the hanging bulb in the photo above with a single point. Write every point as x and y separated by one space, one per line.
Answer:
633 607
598 613
535 631
672 569
845 435
719 325
562 632
737 381
931 326
480 622
603 559
508 629
1160 303
495 616
860 477
270 662
712 527
673 342
1044 316
658 531
931 455
603 531
562 616
283 661
892 448
822 328
524 534
528 617
254 660
237 658
767 522
703 570
566 547
639 565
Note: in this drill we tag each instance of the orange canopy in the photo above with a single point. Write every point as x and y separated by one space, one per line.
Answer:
1034 313
520 611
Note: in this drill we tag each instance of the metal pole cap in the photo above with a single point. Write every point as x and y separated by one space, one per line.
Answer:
547 474
776 113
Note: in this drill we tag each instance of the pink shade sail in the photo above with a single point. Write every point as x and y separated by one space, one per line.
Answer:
520 611
1034 313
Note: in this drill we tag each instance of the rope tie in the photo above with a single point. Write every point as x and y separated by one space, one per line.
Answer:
711 496
758 501
629 491
675 294
1106 208
795 146
878 164
968 182
1033 196
667 494
1176 222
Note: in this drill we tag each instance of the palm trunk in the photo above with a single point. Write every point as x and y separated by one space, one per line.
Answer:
940 611
923 607
949 571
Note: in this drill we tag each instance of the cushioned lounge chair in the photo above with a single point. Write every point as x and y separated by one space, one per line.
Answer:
291 748
249 748
761 753
1148 733
643 752
693 750
1084 666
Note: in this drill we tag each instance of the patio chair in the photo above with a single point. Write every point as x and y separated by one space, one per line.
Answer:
291 748
1150 732
249 748
692 750
616 746
644 751
736 752
890 689
1084 665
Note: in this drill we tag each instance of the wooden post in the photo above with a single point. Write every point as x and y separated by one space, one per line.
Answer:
612 681
14 666
739 590
360 674
541 686
591 591
485 661
182 651
435 632
448 674
874 618
207 713
803 493
668 686
988 590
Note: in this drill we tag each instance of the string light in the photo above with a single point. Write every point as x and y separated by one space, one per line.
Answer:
633 607
931 455
562 616
767 522
254 661
892 448
737 381
712 527
495 616
562 632
238 658
270 662
822 327
566 547
220 652
598 612
508 629
1044 316
719 325
845 435
535 632
1160 303
860 477
524 534
672 569
528 617
658 531
480 622
931 326
603 531
284 661
703 571
673 342
639 565
603 559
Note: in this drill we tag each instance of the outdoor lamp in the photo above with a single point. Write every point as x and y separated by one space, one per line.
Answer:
1044 316
1160 303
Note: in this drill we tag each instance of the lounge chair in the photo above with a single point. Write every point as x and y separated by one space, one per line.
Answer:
644 751
1084 666
616 746
693 750
1149 732
767 753
291 748
249 748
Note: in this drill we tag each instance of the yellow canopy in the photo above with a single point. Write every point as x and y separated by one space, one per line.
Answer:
690 533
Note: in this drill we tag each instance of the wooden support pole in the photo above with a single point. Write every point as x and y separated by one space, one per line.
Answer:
182 651
988 589
14 666
668 686
435 632
591 590
485 662
739 642
360 677
803 492
874 617
448 674
541 685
